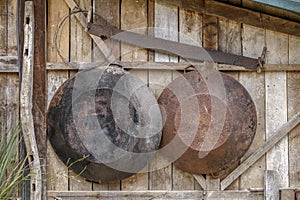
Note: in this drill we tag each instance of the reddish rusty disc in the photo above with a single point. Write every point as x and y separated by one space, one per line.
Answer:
214 117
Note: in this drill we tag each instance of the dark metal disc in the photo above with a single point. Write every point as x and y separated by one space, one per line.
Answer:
104 114
224 120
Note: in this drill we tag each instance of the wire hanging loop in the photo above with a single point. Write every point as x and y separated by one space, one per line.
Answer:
60 25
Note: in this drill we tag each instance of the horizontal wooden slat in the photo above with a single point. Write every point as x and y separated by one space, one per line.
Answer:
9 64
240 15
156 194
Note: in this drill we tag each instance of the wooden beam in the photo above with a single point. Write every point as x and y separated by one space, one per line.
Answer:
9 64
274 139
26 105
156 194
39 98
240 15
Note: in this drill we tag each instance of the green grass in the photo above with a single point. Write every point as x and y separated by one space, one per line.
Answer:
11 169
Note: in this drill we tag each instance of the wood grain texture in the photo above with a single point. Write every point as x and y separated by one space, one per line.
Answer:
276 105
110 11
57 10
190 32
210 32
11 27
80 41
134 18
162 194
56 170
271 185
252 38
80 50
39 96
229 41
293 87
3 27
166 26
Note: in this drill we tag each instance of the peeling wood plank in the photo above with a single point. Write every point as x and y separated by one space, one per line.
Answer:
274 139
293 90
255 84
276 105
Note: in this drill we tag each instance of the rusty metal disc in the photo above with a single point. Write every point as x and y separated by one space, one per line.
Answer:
103 116
214 117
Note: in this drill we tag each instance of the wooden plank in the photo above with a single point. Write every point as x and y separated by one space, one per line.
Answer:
81 44
293 87
230 42
276 105
255 85
56 170
80 50
11 27
3 107
210 41
134 18
241 15
57 10
271 185
190 32
110 11
210 32
166 24
274 139
228 195
3 27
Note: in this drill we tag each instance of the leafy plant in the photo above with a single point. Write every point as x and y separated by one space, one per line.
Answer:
12 171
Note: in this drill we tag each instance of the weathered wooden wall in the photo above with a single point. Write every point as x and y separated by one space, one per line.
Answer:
276 94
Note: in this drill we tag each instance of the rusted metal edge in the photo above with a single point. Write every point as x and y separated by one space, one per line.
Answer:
187 51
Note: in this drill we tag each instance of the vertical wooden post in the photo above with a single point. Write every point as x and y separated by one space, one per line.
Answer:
39 86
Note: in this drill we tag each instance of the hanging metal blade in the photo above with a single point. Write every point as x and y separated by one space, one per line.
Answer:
194 53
